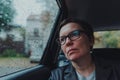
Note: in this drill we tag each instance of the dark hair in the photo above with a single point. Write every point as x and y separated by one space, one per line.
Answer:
86 27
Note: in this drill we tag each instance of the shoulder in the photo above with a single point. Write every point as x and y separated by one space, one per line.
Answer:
57 74
60 70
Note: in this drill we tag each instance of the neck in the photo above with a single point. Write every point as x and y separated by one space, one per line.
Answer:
84 66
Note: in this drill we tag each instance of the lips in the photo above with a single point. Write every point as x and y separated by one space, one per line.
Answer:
70 51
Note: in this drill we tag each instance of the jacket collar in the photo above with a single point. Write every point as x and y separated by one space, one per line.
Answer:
69 73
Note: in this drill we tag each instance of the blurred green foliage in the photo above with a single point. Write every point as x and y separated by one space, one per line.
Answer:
108 39
11 53
7 13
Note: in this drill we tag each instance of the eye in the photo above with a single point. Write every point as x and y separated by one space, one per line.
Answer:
75 33
62 39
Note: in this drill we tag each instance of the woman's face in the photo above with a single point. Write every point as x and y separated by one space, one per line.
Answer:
78 48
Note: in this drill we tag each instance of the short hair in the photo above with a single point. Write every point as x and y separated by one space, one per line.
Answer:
83 24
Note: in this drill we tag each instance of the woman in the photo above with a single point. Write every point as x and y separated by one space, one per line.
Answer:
76 39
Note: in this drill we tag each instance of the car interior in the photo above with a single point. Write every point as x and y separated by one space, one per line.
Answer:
103 15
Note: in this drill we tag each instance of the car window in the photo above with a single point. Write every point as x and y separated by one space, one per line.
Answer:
107 39
25 27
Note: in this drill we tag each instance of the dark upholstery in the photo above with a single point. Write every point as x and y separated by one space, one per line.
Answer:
110 54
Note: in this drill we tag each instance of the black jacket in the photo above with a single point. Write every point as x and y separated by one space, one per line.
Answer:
105 70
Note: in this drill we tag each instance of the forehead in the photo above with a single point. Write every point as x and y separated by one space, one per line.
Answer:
66 29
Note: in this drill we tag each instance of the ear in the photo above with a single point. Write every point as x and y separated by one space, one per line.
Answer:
91 43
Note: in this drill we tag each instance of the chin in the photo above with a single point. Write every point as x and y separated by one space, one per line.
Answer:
73 58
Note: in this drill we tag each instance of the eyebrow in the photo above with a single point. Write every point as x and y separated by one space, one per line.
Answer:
70 33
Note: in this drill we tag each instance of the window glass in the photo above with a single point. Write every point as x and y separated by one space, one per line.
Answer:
107 39
25 26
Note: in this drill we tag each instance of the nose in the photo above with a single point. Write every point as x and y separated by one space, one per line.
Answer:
68 41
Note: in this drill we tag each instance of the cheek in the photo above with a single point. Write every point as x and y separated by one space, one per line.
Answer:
64 50
83 45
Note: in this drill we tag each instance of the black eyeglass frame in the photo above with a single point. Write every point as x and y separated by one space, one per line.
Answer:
70 37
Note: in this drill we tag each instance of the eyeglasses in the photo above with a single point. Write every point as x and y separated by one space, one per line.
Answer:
72 36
